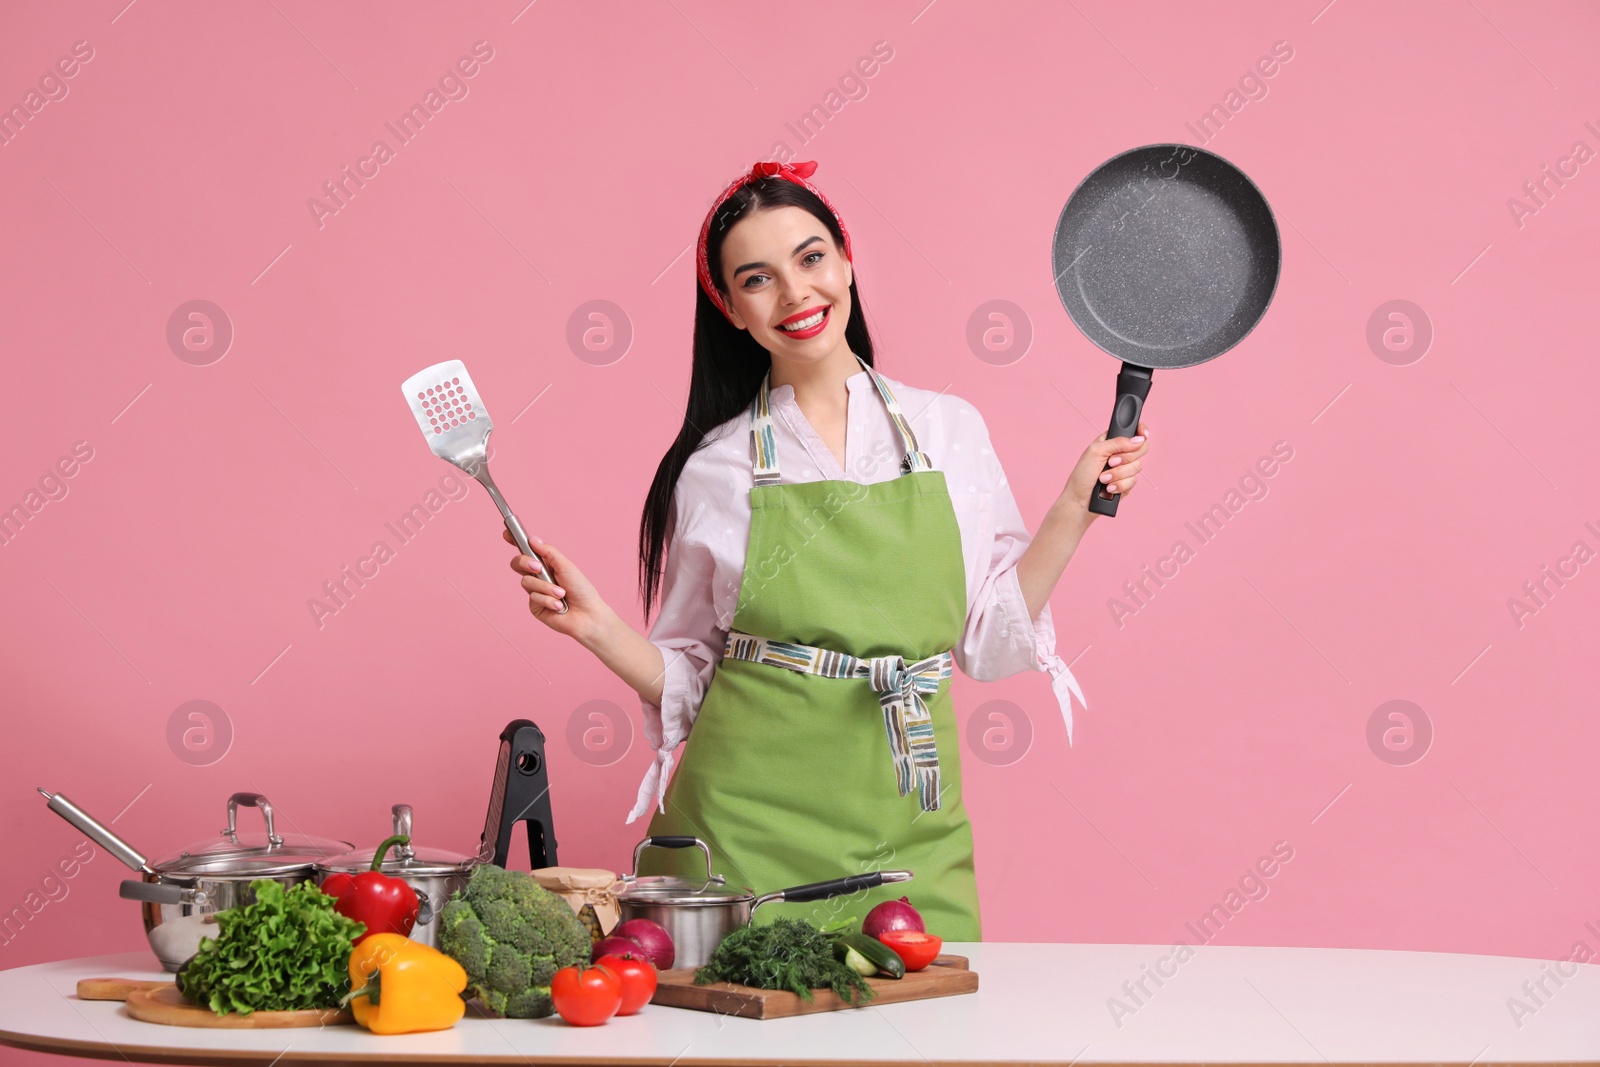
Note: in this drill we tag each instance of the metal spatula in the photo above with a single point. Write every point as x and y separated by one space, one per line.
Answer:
456 424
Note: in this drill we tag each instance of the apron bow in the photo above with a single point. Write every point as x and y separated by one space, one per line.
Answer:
906 720
900 687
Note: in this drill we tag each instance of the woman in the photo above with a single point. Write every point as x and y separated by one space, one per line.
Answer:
834 541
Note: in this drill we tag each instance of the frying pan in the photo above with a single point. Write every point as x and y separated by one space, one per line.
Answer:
1165 256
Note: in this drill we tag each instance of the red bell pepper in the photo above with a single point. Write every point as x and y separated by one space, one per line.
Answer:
386 904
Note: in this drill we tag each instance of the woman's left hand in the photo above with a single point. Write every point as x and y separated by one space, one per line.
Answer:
1126 456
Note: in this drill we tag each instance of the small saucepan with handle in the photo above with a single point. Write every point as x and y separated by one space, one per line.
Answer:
698 914
433 874
181 895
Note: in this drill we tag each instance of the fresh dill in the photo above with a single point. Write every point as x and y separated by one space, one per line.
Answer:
786 954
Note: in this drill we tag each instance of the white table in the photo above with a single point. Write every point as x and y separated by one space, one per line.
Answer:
1035 1004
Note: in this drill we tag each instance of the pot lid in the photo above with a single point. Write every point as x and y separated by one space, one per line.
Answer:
670 889
251 853
405 860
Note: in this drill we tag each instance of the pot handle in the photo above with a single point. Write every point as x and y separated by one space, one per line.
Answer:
673 841
424 907
834 887
255 800
102 836
402 828
161 893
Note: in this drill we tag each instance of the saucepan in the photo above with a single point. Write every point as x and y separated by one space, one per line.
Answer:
697 915
433 874
1165 256
181 895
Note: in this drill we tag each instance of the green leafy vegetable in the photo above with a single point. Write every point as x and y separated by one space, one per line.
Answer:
511 935
786 954
287 951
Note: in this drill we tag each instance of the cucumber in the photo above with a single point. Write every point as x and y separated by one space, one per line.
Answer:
887 962
854 960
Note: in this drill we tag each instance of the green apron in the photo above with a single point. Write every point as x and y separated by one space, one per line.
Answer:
789 777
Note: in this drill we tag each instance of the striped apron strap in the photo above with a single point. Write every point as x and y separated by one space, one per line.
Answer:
915 459
764 446
900 686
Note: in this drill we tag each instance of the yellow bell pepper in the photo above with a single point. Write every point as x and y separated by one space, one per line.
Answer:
399 986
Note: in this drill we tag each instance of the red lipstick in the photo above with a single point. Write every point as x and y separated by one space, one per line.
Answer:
809 331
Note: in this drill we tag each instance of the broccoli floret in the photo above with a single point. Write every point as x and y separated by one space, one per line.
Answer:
508 970
511 935
533 1003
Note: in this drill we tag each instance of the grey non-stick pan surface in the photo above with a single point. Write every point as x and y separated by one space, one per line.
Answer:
1165 256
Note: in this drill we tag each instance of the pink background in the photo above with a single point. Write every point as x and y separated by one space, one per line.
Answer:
1229 713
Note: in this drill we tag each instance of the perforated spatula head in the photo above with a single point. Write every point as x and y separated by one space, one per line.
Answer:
452 417
450 413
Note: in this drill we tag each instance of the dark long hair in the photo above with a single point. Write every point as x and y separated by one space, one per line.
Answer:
728 364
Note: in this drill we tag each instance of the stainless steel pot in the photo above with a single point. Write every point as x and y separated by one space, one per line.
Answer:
180 896
433 873
698 915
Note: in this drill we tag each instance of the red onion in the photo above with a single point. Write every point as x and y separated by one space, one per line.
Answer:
892 915
652 938
619 946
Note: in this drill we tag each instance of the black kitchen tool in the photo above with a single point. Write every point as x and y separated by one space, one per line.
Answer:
521 793
1165 256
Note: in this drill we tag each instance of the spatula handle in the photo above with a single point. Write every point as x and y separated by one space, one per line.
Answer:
522 542
481 473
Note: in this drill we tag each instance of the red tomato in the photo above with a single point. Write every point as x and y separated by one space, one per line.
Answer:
588 997
638 977
915 949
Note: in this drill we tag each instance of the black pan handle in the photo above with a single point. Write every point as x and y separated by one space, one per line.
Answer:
1133 385
672 841
834 887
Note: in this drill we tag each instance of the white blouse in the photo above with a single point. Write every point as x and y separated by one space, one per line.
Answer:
709 527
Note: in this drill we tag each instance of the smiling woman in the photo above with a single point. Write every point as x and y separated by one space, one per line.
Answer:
830 278
847 650
815 599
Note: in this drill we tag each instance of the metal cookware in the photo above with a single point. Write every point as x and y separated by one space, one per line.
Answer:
180 896
697 915
433 873
1165 256
452 417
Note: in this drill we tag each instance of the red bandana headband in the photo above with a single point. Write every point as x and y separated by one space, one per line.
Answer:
795 172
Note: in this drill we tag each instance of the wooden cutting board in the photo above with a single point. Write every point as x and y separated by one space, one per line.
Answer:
160 1002
945 976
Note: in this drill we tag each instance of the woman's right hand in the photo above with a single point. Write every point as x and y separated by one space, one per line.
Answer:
586 612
